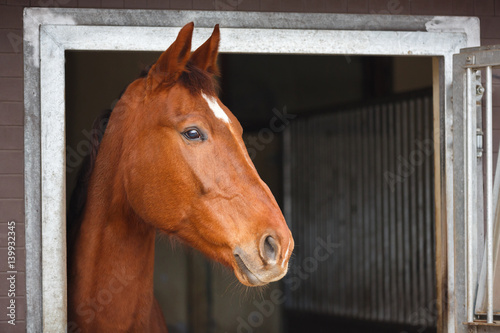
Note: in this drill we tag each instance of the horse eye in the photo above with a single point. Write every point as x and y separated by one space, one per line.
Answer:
192 134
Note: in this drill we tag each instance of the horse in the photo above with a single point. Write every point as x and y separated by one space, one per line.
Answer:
171 159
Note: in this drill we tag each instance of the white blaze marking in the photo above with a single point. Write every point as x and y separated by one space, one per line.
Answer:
215 107
220 114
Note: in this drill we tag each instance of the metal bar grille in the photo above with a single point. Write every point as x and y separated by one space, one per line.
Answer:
363 178
476 287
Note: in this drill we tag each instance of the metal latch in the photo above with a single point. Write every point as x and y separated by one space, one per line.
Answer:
479 142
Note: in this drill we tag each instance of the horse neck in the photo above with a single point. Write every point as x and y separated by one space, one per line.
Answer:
113 255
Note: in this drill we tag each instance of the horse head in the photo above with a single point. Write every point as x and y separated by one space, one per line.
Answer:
185 169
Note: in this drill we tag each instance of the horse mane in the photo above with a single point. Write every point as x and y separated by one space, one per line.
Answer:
193 78
79 195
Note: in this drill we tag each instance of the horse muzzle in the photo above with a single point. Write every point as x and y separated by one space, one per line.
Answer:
265 262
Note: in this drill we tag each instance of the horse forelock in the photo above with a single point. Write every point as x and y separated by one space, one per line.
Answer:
197 80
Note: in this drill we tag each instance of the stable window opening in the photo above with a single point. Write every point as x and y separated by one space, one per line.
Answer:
354 137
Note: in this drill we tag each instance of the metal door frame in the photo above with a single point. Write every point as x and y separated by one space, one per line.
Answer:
48 33
469 155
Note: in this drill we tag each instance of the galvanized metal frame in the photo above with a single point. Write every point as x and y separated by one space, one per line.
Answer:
48 33
467 95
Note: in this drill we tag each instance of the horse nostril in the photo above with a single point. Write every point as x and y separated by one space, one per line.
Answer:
270 249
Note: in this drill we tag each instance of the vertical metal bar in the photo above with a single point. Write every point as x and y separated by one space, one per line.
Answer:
489 195
406 212
430 244
291 301
301 203
470 157
418 162
373 215
360 202
366 138
349 261
336 215
322 200
311 212
309 278
332 221
401 306
327 171
479 226
385 216
347 145
297 301
304 202
319 152
384 222
379 217
412 180
393 303
293 156
288 188
309 190
356 204
287 177
297 207
319 180
321 287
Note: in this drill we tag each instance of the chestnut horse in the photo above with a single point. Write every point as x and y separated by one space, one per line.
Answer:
171 159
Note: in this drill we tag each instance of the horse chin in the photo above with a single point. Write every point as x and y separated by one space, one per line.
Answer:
245 276
256 277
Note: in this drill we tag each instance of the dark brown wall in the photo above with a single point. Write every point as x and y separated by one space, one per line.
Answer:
11 85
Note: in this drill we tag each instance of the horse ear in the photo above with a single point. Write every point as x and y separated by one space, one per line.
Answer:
205 57
173 61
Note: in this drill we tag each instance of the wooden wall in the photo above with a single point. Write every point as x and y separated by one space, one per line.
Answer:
11 85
